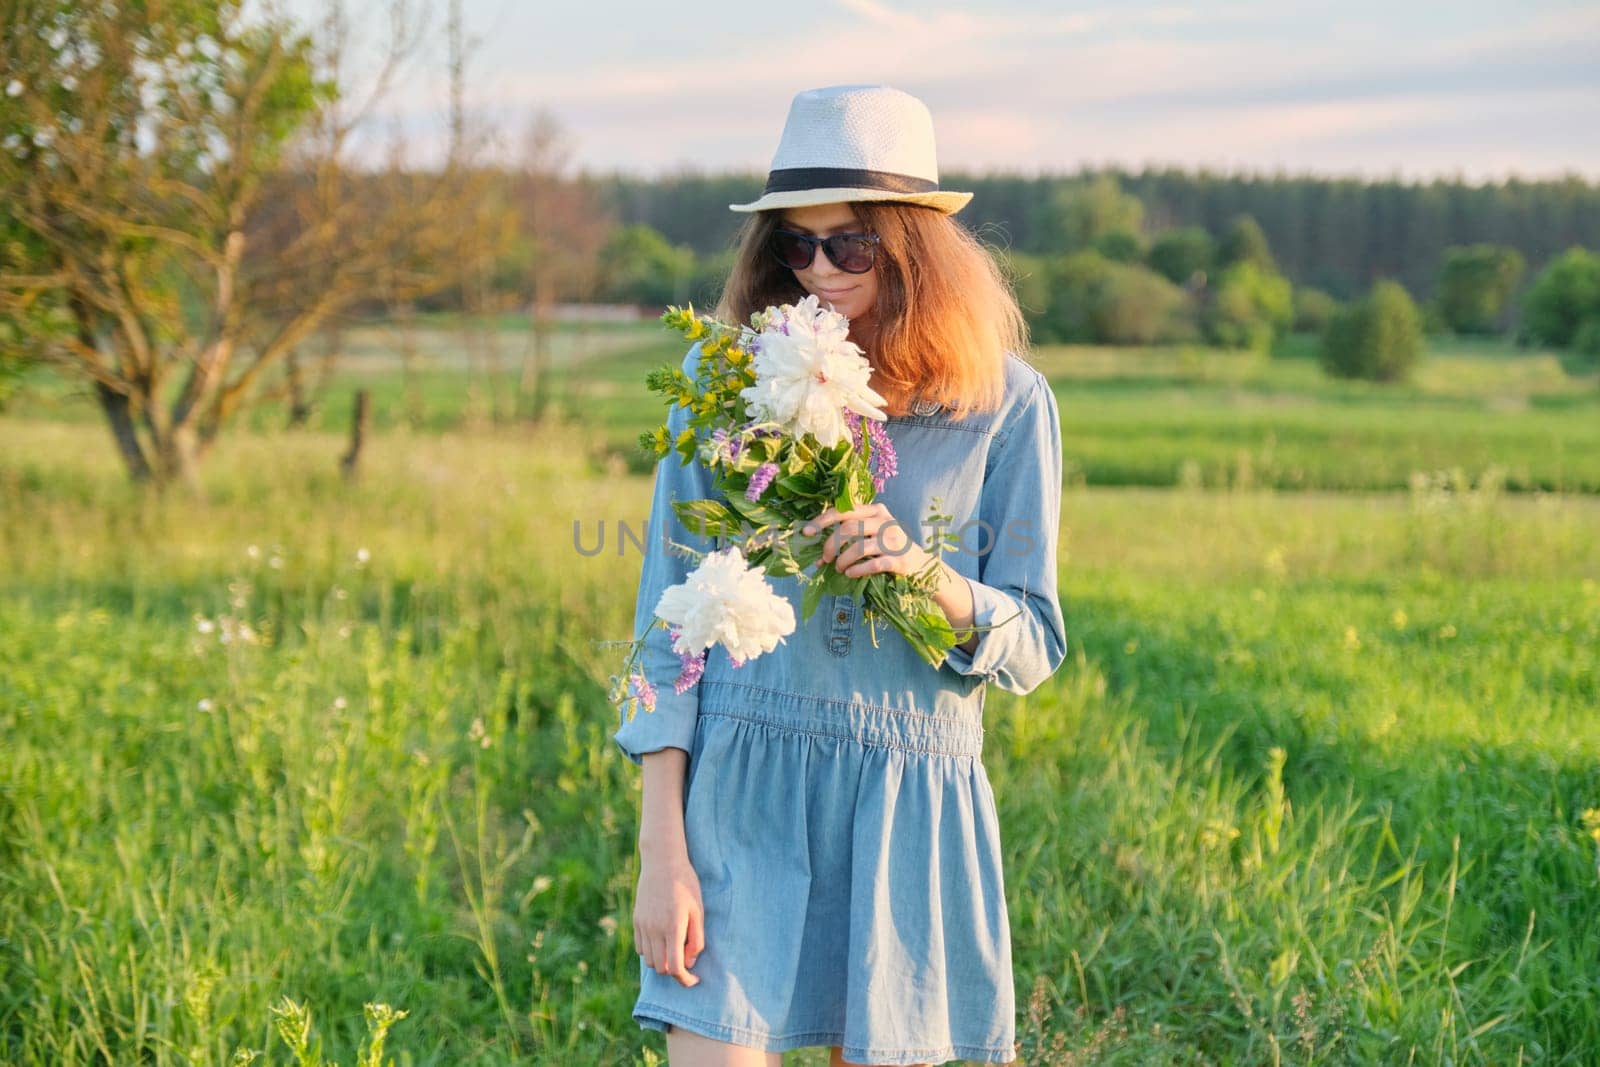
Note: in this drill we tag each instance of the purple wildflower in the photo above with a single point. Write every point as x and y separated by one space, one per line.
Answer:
693 667
693 664
760 480
640 689
853 421
722 447
885 464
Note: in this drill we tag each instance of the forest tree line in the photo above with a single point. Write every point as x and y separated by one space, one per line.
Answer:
1334 234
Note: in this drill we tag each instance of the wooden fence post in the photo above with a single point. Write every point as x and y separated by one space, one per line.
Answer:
359 423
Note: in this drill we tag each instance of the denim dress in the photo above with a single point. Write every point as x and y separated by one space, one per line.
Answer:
836 808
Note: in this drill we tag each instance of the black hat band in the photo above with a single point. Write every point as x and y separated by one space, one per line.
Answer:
792 179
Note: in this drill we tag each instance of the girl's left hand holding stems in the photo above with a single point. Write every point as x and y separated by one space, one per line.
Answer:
867 540
870 540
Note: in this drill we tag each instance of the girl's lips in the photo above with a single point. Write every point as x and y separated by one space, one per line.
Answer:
832 294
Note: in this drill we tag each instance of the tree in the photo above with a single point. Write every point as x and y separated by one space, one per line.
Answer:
176 170
1313 309
1031 278
1564 295
1136 306
1182 254
1245 242
639 266
1585 355
1121 246
1475 286
1334 233
1378 337
1085 297
1081 213
1249 306
564 229
710 275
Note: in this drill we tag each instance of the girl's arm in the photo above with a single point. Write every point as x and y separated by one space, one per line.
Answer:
672 723
661 809
954 596
668 916
1015 591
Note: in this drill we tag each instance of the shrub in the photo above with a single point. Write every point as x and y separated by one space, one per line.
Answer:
1565 293
1249 307
1178 255
640 266
1584 358
1378 337
1065 287
1120 246
1587 340
1246 242
1135 306
1081 211
1030 278
1312 310
1088 298
1475 287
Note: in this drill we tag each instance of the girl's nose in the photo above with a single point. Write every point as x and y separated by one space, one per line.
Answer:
822 266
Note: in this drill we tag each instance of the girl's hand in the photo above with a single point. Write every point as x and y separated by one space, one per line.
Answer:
668 917
867 540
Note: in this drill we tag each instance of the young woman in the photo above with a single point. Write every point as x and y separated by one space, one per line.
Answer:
820 857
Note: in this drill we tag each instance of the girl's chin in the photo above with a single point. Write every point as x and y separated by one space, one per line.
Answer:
847 306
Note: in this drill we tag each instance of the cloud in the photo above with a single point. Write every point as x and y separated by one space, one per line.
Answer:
1344 86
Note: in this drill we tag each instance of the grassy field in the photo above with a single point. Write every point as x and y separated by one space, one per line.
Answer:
1310 788
1159 417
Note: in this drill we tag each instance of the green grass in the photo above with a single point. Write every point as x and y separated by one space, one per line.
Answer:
1163 417
1309 788
1157 417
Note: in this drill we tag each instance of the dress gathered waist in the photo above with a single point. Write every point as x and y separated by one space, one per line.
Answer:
864 723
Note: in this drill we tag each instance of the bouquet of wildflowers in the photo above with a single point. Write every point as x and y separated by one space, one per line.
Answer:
781 412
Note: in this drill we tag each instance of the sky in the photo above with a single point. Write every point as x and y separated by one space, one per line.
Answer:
1480 91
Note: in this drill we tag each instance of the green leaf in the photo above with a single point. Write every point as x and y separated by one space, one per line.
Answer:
709 518
753 512
802 484
855 490
780 558
810 598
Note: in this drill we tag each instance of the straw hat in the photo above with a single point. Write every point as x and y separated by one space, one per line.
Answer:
855 142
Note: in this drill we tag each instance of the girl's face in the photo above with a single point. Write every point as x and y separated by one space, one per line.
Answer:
855 296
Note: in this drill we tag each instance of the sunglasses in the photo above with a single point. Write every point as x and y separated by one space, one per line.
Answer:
852 253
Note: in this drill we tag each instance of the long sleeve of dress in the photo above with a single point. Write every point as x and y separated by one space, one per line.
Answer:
1020 520
672 723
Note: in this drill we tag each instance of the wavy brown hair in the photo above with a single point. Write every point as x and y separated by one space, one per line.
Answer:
946 316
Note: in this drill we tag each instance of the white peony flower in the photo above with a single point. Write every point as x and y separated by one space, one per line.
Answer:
809 373
728 602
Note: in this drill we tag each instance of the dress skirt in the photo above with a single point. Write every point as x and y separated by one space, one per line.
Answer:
850 868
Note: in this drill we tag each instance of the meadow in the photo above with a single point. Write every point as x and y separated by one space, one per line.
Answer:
1318 783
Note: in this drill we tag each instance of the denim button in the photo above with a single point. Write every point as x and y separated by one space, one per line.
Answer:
840 633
